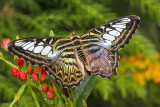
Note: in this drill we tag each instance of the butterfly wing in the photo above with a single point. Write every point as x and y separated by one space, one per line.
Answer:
101 44
56 54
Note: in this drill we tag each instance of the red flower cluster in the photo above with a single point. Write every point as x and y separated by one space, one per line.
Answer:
22 75
30 71
49 91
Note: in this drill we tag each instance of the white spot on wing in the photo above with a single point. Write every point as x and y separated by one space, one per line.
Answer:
102 27
108 43
38 49
27 46
21 44
108 37
124 22
119 29
119 26
46 50
44 39
31 48
108 29
17 43
126 19
41 43
114 33
51 55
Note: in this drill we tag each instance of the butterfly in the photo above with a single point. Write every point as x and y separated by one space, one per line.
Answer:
66 59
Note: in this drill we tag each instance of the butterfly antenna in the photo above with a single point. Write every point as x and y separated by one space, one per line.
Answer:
81 19
60 24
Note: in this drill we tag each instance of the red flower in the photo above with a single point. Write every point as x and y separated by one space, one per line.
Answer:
30 70
43 74
23 76
4 43
51 89
45 88
15 72
38 69
35 77
50 95
20 61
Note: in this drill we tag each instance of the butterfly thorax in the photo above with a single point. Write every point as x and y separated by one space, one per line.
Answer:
78 47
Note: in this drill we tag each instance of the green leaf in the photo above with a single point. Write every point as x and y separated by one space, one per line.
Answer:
85 89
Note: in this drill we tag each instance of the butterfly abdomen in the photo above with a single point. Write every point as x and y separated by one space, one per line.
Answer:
81 55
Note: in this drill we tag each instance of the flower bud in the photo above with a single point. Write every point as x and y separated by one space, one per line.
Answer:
20 61
30 70
23 76
50 95
35 77
45 88
51 89
4 43
15 72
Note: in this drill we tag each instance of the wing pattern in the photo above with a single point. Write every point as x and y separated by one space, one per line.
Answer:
65 59
101 44
56 54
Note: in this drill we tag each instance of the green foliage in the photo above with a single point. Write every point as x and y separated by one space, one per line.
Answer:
28 18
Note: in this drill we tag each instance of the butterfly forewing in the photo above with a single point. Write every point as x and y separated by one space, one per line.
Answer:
56 54
114 34
101 44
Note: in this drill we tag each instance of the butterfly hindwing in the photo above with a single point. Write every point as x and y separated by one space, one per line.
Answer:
56 54
101 61
66 69
101 44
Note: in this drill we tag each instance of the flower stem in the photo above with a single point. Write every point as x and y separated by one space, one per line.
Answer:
9 63
14 101
56 92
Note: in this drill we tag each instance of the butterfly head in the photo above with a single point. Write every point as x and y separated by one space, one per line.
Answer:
74 35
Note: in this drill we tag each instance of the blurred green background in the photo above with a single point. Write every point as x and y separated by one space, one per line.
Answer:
137 83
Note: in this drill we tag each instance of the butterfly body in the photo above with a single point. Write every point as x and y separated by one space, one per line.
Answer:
65 59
